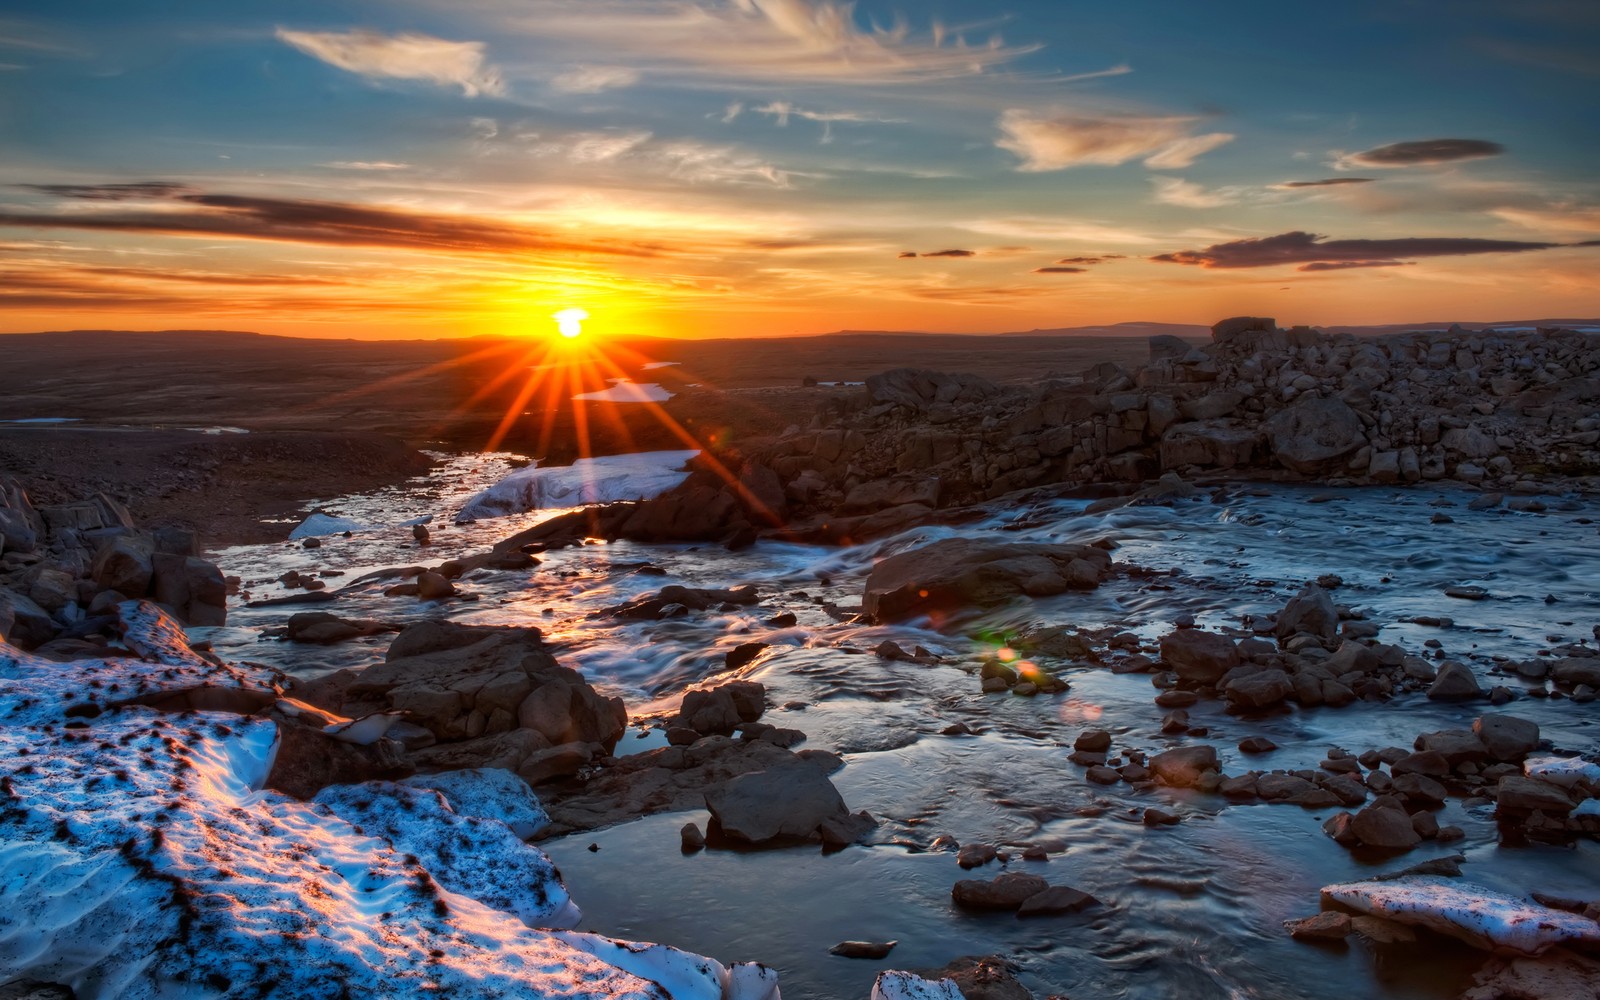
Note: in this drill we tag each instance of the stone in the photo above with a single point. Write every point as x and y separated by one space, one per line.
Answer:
124 564
1506 737
1515 793
1055 900
1259 690
1256 744
1221 444
23 623
1329 925
434 587
1093 740
960 573
1183 767
1199 656
1007 891
723 708
691 839
1385 827
1315 436
1310 611
789 801
742 655
1455 682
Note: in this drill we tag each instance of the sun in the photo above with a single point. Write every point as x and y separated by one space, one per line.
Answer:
570 322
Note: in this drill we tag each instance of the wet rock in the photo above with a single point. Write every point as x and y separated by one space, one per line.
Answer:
691 838
1256 744
863 949
838 832
723 708
975 855
1198 656
787 801
1161 817
1259 690
1517 794
1455 682
1184 767
1102 775
1459 746
1329 925
1056 900
981 978
657 605
1382 932
960 573
1384 826
1006 891
1093 741
742 655
322 628
307 760
1506 737
434 587
124 564
1311 611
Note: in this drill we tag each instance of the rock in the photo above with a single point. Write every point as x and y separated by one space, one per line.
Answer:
1515 793
1220 444
307 760
837 832
1316 435
961 573
434 587
1201 657
1056 899
1576 670
1007 891
723 708
863 949
691 838
1233 329
975 855
1506 737
789 801
896 985
920 389
1160 817
1093 741
1455 682
1385 827
1256 744
1259 690
988 977
124 564
742 655
23 623
1329 925
322 628
1310 611
1183 767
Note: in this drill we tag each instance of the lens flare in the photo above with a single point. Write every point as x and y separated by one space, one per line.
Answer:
570 322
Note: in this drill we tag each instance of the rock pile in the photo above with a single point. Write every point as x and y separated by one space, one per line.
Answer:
64 568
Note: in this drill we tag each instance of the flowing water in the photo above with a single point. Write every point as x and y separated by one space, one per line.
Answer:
1190 911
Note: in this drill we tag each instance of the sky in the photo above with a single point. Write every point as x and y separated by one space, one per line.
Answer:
729 168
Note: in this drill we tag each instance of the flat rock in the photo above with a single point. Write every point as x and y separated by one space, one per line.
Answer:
1007 891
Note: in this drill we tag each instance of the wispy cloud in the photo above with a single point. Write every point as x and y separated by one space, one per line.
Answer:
1188 194
1326 182
402 57
762 40
595 79
1308 248
1057 269
1427 152
1568 218
1044 227
1056 141
373 165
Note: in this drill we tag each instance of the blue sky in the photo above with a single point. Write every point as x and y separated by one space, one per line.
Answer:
749 167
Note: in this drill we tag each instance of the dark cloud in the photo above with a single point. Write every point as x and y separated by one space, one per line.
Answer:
1345 265
109 192
952 253
908 253
1060 270
1102 258
1306 248
1327 182
1408 154
318 222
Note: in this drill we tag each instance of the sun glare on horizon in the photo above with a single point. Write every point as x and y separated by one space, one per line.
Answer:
570 322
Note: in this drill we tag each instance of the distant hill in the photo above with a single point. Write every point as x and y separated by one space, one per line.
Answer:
1198 331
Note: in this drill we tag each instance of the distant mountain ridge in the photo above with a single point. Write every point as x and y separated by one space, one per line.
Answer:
1139 328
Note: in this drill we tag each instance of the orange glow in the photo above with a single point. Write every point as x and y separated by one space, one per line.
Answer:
569 322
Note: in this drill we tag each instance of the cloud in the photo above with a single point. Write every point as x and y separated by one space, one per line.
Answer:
1345 265
141 190
1306 248
682 159
1101 259
1188 194
782 41
1562 218
595 79
186 213
1059 141
952 253
908 253
1060 270
1422 153
1046 227
365 165
402 57
1327 182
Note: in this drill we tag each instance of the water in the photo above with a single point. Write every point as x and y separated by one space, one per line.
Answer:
1193 911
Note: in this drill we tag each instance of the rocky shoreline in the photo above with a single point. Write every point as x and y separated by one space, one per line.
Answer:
92 609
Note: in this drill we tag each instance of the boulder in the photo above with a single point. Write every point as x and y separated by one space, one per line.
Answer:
1518 794
22 622
321 628
1198 656
1315 436
1232 329
1006 891
1183 767
791 801
959 573
1259 690
1384 826
1455 682
1310 611
1506 737
920 389
124 564
1220 444
722 709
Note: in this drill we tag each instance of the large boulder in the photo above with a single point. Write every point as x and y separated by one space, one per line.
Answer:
463 682
956 573
1183 767
1202 657
1310 611
1317 435
722 709
790 800
1507 737
1455 682
124 564
1233 328
22 622
1262 689
1220 444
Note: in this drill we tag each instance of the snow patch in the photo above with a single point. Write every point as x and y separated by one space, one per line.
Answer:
627 391
1481 917
894 985
606 479
1564 771
316 525
488 793
653 365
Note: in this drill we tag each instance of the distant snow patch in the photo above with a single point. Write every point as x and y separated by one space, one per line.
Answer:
606 479
627 391
324 524
1481 917
652 366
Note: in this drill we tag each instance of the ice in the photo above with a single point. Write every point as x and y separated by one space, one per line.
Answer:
488 793
751 981
478 858
627 391
606 479
1481 917
653 365
316 525
1588 807
366 730
893 985
1565 771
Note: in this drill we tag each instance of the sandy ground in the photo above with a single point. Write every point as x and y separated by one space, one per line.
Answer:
332 417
